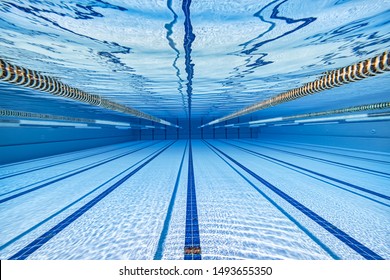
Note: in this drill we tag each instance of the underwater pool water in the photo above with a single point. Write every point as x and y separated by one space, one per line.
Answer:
194 130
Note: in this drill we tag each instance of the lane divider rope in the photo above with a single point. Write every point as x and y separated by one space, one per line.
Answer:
21 76
367 68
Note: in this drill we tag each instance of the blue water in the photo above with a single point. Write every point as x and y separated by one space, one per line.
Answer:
119 187
120 211
139 52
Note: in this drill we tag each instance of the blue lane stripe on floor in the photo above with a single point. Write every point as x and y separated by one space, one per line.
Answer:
315 173
69 175
16 238
44 238
192 249
334 184
160 247
284 212
59 141
61 162
339 234
349 166
299 147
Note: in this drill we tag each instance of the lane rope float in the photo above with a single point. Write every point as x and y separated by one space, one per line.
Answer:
352 73
21 76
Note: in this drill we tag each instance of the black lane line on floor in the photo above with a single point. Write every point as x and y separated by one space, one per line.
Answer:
73 203
69 175
284 212
352 167
192 250
163 236
313 172
326 152
335 231
44 238
61 162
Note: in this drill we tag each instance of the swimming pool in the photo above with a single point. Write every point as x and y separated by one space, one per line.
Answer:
194 130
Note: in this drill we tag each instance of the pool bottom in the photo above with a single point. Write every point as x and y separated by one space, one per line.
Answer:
254 200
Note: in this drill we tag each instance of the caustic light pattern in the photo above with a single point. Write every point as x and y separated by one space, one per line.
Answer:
195 130
254 199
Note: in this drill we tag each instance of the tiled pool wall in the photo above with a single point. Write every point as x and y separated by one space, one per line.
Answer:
17 144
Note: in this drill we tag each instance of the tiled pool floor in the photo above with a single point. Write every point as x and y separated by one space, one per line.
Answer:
241 199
